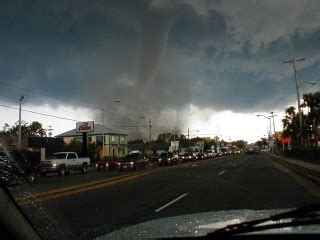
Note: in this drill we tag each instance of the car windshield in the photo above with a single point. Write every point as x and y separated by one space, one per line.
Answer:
164 155
118 113
131 158
59 156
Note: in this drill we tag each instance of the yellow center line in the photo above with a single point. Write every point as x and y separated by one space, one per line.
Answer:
70 188
76 189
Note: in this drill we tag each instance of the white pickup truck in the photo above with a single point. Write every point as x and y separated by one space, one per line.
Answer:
63 162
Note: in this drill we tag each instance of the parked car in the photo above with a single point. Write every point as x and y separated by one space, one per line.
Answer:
16 169
108 163
187 157
265 150
201 156
167 159
133 162
251 151
64 162
210 153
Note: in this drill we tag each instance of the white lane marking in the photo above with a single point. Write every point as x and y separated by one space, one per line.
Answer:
169 203
220 173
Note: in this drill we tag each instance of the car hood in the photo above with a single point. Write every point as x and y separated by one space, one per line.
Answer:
199 224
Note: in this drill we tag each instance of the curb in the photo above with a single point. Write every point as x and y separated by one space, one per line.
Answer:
279 160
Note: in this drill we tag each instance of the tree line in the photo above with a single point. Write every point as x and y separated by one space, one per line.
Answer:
310 111
33 129
167 137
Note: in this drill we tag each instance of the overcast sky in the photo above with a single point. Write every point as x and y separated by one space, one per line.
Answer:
205 65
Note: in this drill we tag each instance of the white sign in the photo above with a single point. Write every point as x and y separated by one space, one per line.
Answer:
175 145
82 127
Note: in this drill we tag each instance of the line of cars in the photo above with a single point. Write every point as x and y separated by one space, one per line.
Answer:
131 162
169 159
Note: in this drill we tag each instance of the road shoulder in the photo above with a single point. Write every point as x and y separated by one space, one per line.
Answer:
303 176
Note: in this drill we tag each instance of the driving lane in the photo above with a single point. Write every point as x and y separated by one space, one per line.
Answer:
226 183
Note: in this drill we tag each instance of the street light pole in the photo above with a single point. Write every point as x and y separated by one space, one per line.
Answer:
272 116
260 115
19 130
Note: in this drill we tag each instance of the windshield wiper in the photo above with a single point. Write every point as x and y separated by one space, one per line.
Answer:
307 215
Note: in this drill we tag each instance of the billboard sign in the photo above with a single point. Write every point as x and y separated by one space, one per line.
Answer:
82 127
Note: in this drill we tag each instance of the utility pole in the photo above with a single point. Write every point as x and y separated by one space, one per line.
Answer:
150 127
19 131
274 130
298 96
103 129
174 142
188 140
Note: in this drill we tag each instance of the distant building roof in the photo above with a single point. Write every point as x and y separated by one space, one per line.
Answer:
98 130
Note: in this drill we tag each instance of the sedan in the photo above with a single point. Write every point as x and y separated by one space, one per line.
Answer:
187 157
167 159
201 156
133 162
110 163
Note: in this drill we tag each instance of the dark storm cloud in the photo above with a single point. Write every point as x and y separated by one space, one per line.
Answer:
154 55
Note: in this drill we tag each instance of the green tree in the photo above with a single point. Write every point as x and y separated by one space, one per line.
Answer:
262 143
36 129
164 138
136 141
312 102
291 124
33 129
239 144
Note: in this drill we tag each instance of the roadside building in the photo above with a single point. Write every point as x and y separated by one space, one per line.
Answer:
44 146
206 139
40 147
115 142
198 147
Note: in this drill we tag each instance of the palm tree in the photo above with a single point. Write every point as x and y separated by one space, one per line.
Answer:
291 124
312 102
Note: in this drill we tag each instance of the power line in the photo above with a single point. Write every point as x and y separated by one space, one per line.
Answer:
60 110
313 66
313 84
43 114
128 126
62 99
44 94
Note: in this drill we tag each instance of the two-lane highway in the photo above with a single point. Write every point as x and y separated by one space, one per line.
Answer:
226 183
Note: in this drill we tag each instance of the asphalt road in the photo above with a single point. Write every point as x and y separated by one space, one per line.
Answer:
225 183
